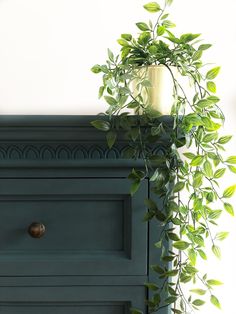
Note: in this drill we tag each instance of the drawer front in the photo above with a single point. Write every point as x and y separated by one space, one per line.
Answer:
72 300
92 227
98 308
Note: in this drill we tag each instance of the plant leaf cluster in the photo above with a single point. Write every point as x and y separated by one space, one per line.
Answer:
186 184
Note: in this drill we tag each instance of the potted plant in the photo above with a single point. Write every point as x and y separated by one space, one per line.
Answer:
186 180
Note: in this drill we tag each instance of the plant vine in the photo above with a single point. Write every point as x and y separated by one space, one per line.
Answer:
186 183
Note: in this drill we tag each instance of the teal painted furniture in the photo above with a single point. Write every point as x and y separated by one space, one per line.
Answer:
72 239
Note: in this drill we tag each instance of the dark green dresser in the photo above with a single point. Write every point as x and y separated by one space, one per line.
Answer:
72 239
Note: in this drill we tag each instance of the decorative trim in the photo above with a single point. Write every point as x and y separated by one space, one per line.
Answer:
57 138
60 152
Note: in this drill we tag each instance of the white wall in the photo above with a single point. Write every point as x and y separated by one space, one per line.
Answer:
49 46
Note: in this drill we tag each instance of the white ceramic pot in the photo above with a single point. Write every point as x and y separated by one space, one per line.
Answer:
160 95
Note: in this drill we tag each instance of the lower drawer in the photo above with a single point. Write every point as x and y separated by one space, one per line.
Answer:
71 300
63 308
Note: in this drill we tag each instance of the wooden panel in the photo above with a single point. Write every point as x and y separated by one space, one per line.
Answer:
70 224
62 308
93 227
72 300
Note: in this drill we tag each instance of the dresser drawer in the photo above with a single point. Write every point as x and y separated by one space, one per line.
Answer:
98 308
76 300
92 227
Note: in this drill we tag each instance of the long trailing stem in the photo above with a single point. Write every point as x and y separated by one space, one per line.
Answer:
184 183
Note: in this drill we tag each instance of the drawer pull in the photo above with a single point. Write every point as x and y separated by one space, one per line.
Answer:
36 229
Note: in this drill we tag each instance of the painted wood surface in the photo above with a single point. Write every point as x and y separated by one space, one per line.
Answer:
96 252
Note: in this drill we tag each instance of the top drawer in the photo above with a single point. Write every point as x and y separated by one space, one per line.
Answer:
92 227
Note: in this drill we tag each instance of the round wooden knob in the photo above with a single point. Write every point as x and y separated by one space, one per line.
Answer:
36 229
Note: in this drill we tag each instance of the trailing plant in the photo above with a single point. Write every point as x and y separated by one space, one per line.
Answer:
186 180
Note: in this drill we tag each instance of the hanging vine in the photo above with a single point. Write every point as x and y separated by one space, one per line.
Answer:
186 180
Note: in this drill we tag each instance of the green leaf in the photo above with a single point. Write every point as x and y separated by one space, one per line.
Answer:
150 204
171 299
125 52
148 215
215 301
142 26
168 24
110 100
157 269
186 38
208 169
151 286
101 125
214 282
110 55
173 236
216 250
231 160
146 83
198 291
197 55
111 138
96 68
221 235
152 49
229 192
209 137
204 47
211 86
152 7
158 244
161 30
202 254
134 187
123 42
213 73
192 255
219 173
197 179
197 161
204 103
213 99
178 187
232 169
100 92
210 197
175 311
159 215
135 311
190 269
210 125
104 69
127 37
172 273
224 139
197 204
128 152
215 214
165 16
133 104
144 38
229 208
185 278
169 2
136 175
176 221
173 39
189 155
181 245
155 175
198 302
